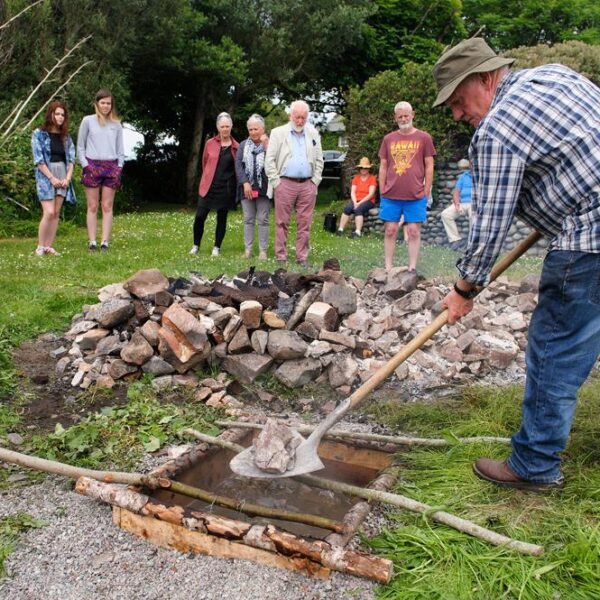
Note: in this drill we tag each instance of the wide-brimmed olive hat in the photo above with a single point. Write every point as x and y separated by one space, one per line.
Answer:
455 65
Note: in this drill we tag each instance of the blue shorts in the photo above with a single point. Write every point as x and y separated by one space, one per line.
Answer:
414 211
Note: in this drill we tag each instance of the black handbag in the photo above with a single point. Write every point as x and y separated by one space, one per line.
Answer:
330 222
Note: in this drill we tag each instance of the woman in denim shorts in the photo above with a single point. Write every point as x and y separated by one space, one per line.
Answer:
54 158
100 152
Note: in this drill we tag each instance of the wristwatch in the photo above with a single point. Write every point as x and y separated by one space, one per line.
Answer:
467 295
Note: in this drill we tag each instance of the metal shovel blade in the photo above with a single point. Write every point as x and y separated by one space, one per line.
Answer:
307 461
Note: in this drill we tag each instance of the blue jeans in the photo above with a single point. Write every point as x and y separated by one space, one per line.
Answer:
563 345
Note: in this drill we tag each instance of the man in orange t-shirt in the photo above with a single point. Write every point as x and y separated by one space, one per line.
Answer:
362 193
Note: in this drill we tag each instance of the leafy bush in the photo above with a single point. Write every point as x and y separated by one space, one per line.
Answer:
17 183
580 57
370 113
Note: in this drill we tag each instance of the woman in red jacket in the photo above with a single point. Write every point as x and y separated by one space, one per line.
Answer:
218 183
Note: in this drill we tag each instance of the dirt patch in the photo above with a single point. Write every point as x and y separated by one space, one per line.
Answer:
48 398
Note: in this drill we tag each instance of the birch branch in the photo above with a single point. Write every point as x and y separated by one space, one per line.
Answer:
375 437
17 203
58 64
399 501
7 23
12 112
55 93
58 468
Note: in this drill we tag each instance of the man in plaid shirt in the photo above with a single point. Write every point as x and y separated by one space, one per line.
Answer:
535 154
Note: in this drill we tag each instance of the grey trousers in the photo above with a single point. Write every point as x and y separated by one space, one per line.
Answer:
254 210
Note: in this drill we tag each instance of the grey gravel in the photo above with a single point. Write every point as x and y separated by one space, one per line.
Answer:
81 555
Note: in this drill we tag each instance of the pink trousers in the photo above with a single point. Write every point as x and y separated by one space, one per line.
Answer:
291 194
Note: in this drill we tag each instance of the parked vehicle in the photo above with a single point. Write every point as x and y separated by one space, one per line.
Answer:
333 163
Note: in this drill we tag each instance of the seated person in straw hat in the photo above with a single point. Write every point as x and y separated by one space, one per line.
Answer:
362 193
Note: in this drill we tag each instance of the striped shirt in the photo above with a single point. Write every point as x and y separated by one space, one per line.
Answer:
536 155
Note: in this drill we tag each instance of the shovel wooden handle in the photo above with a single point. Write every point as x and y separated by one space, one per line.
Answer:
417 342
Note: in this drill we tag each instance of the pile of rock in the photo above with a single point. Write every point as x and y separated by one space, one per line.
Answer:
323 327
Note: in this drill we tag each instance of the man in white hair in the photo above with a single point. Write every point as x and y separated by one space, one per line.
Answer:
405 180
294 164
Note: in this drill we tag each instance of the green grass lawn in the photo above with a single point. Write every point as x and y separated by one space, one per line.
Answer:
431 561
41 294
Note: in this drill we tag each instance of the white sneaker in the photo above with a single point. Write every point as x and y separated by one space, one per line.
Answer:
194 250
40 251
215 251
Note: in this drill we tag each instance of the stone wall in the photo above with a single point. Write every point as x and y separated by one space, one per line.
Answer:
433 233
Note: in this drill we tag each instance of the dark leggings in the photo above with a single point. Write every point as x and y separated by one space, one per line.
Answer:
201 214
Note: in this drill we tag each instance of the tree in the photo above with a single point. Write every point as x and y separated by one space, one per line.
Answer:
580 57
511 23
399 32
214 55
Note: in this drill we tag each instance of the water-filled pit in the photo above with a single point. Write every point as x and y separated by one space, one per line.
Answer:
343 462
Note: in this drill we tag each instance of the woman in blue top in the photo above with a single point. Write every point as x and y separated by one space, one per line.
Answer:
54 158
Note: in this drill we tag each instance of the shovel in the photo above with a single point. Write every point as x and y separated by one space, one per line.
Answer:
307 459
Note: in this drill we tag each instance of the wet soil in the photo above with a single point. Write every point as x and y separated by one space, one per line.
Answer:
49 399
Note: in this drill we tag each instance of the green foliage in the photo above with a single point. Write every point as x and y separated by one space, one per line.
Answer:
9 419
37 39
10 529
370 113
120 435
512 23
329 140
581 57
17 183
398 33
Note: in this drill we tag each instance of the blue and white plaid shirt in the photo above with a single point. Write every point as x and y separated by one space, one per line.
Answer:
536 155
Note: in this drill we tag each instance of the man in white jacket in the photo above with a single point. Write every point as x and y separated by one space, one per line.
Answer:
294 164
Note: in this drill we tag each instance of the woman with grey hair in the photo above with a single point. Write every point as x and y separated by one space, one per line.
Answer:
217 184
253 186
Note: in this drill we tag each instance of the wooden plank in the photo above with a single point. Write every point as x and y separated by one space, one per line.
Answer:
176 537
365 457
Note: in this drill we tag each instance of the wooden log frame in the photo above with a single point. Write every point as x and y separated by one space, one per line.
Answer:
207 533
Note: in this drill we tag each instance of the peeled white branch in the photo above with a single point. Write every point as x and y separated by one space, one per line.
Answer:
7 23
58 64
54 94
400 440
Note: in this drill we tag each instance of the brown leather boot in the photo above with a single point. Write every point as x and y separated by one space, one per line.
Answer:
498 472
